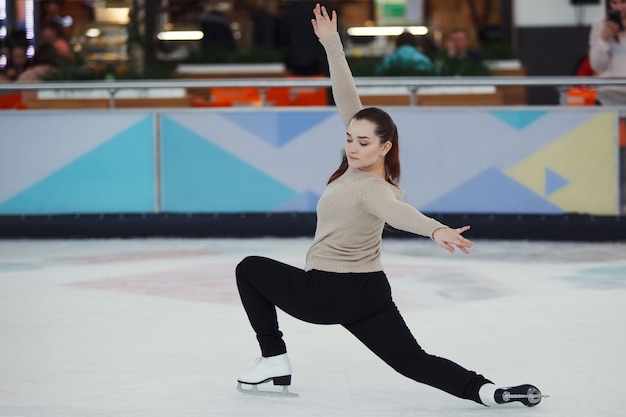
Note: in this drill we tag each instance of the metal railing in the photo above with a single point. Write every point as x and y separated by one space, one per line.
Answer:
412 84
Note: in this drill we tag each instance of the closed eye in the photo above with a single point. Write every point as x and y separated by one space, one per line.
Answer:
363 140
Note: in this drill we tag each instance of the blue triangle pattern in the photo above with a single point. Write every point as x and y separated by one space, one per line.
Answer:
199 176
554 181
277 128
115 177
293 124
519 119
304 202
492 191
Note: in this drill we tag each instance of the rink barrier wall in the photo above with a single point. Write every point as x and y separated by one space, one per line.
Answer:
89 167
570 227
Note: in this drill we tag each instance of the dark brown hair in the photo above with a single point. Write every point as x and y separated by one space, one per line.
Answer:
387 131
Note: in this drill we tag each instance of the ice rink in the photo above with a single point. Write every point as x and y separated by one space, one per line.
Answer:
155 328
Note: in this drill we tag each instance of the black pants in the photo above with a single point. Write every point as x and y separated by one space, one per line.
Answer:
360 302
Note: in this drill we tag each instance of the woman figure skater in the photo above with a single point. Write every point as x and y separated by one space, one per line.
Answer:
343 281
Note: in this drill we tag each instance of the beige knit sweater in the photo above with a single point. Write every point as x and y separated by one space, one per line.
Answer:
353 210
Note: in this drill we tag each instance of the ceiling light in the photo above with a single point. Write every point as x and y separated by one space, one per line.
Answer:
386 30
181 35
92 33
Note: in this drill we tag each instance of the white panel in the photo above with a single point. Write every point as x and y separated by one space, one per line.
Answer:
532 13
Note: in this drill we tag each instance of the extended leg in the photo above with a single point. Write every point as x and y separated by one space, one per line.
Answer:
386 334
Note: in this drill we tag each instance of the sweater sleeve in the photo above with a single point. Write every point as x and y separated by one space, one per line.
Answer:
344 90
380 200
599 50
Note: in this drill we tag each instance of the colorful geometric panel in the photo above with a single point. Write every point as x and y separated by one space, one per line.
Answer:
492 192
34 145
554 182
304 202
278 128
117 176
585 160
198 176
519 119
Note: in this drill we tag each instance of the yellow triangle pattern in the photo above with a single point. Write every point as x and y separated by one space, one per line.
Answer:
587 158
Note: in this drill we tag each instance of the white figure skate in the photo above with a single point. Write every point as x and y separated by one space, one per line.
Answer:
274 368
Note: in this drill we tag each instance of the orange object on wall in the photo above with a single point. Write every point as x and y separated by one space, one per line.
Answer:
236 95
12 101
308 96
581 96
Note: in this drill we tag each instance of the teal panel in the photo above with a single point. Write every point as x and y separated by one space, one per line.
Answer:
519 119
199 176
117 176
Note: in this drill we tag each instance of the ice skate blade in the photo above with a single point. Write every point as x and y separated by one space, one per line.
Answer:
530 399
253 390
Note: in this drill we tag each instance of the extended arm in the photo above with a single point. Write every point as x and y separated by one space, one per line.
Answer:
380 201
344 90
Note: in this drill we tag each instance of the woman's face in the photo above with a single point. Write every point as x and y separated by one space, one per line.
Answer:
363 147
18 57
618 5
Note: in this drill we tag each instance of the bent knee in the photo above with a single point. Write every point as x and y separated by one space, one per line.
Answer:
247 264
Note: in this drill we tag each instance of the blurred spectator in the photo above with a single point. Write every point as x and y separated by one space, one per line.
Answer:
18 62
304 53
53 32
262 15
408 58
607 53
428 47
45 65
216 27
51 10
459 58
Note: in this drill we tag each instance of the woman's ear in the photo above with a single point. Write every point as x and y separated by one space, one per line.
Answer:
386 147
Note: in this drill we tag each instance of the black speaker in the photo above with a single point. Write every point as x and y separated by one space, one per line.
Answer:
583 2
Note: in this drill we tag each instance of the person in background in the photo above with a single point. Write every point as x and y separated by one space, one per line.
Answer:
304 56
265 25
407 59
18 62
607 53
459 59
45 65
53 32
215 24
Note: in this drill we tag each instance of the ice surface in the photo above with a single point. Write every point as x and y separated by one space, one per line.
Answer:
155 328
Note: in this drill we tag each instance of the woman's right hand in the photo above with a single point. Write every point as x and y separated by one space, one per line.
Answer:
323 24
610 30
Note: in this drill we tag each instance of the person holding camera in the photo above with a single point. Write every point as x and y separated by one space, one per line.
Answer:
607 52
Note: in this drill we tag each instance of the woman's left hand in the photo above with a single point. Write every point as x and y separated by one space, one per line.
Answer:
323 24
445 237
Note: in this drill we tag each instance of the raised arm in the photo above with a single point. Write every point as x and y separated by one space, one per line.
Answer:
344 90
599 49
